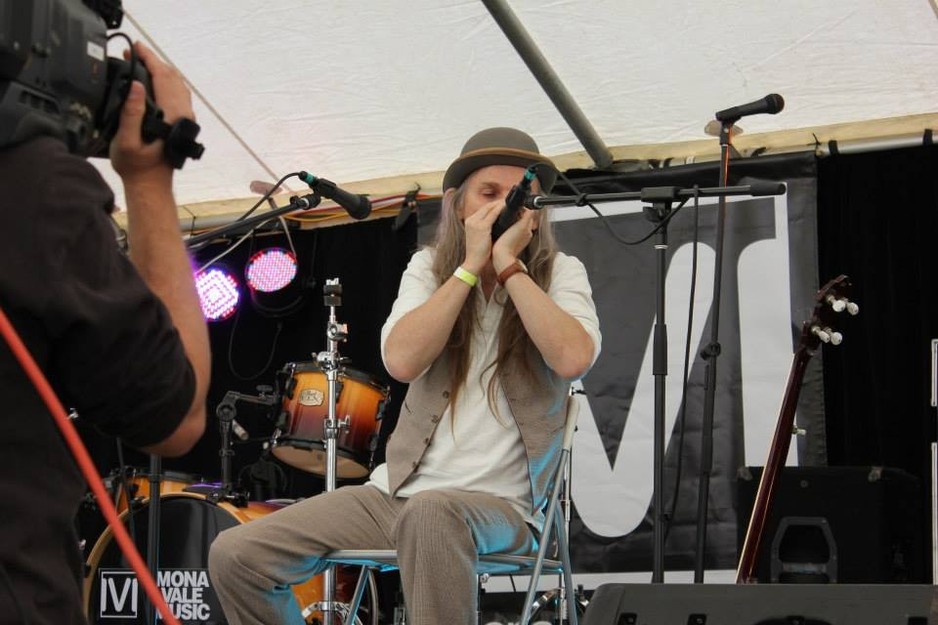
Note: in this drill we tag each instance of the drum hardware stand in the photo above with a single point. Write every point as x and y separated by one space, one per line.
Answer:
329 362
226 411
153 530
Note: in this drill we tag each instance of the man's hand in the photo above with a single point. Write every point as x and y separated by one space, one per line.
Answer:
478 227
514 240
132 159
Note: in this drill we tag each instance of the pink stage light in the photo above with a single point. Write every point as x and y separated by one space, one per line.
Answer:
270 269
218 293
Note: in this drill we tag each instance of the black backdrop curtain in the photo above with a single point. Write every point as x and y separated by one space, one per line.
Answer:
878 223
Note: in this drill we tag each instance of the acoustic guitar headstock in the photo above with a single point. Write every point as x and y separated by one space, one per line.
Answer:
832 301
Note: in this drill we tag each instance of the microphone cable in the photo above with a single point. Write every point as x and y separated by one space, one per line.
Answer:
85 464
615 235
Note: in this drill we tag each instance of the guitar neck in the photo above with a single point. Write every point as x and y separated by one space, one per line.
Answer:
778 452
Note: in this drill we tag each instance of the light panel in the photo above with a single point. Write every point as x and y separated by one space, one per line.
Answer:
270 269
219 294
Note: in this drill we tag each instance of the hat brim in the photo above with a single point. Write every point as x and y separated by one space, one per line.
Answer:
460 169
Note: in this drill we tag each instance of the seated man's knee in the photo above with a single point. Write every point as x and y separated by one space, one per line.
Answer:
223 553
430 512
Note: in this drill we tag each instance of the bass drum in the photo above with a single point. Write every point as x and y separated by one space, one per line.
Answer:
136 484
188 525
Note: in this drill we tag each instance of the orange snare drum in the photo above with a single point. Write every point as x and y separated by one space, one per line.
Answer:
188 525
360 399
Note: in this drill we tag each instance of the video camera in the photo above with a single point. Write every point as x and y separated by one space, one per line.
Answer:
56 79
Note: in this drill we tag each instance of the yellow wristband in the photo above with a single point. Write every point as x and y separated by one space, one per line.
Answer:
466 276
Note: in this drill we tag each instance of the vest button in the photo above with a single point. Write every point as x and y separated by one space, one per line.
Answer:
435 418
445 394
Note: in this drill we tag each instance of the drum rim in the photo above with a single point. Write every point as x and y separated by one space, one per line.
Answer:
311 366
133 471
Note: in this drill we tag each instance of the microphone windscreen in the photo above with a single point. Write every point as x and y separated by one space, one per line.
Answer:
775 103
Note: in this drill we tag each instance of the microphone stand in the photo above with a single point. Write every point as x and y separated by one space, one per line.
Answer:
661 200
710 354
659 212
297 203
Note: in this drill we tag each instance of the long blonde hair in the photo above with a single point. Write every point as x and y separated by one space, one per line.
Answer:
515 347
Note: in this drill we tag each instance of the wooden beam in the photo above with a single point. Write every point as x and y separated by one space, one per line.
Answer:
205 215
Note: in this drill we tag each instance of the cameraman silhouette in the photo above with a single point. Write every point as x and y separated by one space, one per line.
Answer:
120 337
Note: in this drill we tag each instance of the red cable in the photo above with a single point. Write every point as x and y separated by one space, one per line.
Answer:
86 465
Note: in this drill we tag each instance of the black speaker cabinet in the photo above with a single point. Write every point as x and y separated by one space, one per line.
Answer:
857 525
759 604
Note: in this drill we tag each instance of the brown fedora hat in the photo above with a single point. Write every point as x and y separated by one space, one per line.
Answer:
499 146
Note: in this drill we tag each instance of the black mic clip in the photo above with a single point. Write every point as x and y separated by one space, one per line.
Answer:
408 208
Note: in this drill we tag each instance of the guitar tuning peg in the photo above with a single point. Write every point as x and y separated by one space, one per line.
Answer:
821 333
852 308
837 304
836 337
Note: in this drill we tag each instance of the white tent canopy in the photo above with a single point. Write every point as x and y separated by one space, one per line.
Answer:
367 90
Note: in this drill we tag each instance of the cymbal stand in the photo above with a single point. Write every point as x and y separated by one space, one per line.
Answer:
328 362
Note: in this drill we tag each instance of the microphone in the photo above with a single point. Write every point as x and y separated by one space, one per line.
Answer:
771 104
357 206
513 203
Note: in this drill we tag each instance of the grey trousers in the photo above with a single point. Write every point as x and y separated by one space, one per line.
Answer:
438 535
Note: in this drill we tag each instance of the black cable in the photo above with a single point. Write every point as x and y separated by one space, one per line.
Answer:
270 356
130 45
663 223
253 208
267 195
234 327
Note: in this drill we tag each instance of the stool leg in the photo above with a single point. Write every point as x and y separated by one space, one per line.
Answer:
355 604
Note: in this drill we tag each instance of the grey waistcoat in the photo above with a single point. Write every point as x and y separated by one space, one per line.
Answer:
539 411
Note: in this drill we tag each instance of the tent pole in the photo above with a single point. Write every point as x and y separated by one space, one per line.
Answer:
550 82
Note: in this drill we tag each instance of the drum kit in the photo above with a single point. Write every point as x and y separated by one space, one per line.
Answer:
329 417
